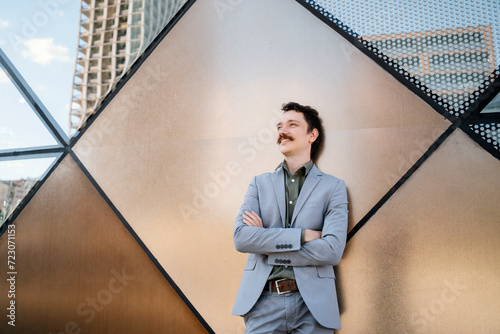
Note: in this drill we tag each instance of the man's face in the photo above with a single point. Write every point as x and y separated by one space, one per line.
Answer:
293 137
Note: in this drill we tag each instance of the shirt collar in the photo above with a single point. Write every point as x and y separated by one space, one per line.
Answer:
307 167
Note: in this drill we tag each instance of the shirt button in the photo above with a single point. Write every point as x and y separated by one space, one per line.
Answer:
291 202
293 180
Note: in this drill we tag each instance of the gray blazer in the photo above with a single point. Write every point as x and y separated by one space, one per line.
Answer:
322 205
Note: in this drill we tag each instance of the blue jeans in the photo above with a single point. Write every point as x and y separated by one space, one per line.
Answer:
286 313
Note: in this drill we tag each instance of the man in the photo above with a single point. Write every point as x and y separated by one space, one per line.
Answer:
293 224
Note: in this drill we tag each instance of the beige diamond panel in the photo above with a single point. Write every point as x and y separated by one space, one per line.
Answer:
177 147
429 260
80 271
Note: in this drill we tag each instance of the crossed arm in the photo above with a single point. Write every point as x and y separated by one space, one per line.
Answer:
323 247
253 219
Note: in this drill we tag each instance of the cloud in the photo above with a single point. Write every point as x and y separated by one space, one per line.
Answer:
4 24
44 51
3 77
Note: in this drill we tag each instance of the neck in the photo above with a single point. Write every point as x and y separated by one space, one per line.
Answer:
295 162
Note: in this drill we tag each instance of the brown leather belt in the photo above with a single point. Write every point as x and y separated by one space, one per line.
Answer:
281 286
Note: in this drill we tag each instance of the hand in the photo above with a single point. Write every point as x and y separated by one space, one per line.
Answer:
310 235
252 219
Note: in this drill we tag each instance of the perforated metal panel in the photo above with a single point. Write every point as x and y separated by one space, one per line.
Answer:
445 48
449 50
490 132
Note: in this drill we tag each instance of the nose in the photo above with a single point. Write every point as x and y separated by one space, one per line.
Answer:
284 129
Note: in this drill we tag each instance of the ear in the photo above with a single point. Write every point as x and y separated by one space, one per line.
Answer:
313 135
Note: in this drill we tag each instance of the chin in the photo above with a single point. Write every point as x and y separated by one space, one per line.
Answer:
284 150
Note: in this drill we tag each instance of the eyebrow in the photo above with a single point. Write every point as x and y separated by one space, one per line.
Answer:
289 121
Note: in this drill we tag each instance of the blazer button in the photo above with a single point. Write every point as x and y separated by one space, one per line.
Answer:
276 261
288 261
290 246
278 246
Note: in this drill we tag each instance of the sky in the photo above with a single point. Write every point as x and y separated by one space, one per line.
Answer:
40 38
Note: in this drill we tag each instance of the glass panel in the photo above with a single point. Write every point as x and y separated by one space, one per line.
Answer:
17 177
489 131
19 125
68 233
493 106
451 47
111 38
39 37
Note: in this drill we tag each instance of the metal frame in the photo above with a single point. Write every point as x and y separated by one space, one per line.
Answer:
66 146
31 153
36 104
404 79
131 71
142 244
474 116
471 115
33 190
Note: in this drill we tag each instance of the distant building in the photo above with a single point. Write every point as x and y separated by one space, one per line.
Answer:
113 33
11 194
453 63
4 200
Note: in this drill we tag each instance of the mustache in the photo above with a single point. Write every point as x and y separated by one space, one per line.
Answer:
284 136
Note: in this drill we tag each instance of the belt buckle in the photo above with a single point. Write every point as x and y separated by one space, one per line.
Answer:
278 286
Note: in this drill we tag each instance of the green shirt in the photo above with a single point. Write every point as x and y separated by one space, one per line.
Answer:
293 185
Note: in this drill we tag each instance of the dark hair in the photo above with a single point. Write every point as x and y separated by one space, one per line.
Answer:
314 122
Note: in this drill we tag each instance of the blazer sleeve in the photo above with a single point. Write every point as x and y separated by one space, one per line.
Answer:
329 248
262 240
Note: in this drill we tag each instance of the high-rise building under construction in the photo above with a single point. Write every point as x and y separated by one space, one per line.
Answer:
113 33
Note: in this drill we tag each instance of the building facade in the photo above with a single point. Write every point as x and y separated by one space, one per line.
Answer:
113 33
11 194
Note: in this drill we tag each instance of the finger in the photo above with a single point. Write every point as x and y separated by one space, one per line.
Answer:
256 216
251 214
253 219
248 218
248 222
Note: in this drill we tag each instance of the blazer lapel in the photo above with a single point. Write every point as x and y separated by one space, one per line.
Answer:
310 183
279 189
